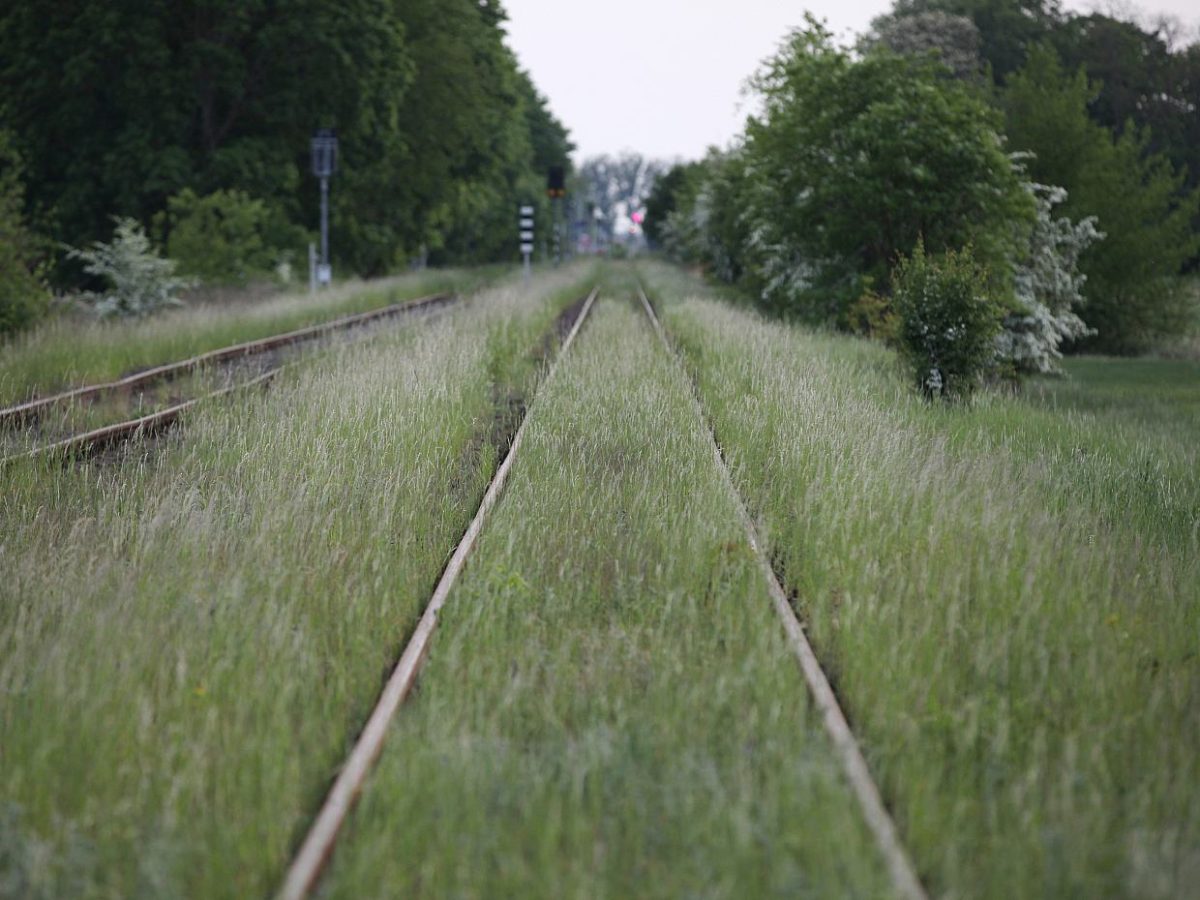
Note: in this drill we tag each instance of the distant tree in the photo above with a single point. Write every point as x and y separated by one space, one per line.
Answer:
953 39
1134 293
150 99
1007 28
1047 288
853 160
623 181
674 189
22 295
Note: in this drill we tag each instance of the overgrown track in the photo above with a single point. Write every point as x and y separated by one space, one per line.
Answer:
156 422
29 410
854 765
319 842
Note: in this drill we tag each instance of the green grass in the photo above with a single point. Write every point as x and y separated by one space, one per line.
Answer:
609 708
1007 594
70 350
190 640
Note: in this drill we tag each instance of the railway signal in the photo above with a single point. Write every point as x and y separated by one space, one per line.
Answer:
526 234
556 189
324 164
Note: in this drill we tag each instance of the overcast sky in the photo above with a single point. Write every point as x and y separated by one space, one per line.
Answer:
664 76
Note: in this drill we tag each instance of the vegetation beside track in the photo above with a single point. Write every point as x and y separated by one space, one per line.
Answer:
610 708
68 351
1007 594
190 639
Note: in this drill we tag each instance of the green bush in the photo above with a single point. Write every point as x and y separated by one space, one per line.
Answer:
948 320
23 297
226 237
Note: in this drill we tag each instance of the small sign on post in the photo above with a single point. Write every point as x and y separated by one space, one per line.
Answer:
526 235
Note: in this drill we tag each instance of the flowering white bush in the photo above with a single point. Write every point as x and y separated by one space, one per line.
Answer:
1049 286
142 282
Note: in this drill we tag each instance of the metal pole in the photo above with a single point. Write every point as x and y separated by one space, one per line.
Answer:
325 221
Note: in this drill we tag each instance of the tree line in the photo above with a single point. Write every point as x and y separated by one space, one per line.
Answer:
196 117
1056 156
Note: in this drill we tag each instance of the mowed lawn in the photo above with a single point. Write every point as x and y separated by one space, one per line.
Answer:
1006 594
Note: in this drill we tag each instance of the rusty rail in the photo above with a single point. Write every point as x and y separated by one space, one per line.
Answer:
23 412
845 746
318 844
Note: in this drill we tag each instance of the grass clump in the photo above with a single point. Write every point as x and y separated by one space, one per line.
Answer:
609 708
1007 596
190 639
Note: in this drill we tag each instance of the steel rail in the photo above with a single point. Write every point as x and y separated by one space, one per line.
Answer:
314 852
854 765
30 408
149 424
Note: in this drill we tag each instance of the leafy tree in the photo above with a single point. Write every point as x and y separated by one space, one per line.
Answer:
216 94
1135 294
853 160
1007 28
674 189
1048 288
953 39
22 295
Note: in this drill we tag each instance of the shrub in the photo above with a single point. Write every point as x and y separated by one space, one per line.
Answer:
141 281
226 237
23 297
948 320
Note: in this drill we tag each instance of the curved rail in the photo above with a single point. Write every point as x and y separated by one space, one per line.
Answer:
23 412
854 765
318 844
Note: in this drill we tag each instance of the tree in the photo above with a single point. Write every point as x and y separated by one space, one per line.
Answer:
1047 288
1135 294
853 160
620 185
220 94
674 189
953 39
22 295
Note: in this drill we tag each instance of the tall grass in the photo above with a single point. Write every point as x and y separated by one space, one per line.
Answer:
69 350
1006 593
189 642
609 708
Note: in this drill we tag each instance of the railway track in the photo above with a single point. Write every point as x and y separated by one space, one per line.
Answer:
318 844
307 865
29 412
854 765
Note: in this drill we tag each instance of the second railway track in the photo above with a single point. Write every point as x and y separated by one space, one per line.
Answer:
151 422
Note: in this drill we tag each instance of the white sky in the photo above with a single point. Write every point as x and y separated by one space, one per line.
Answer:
664 77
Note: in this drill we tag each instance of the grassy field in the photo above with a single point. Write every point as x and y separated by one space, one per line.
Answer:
71 350
1007 595
610 708
189 639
